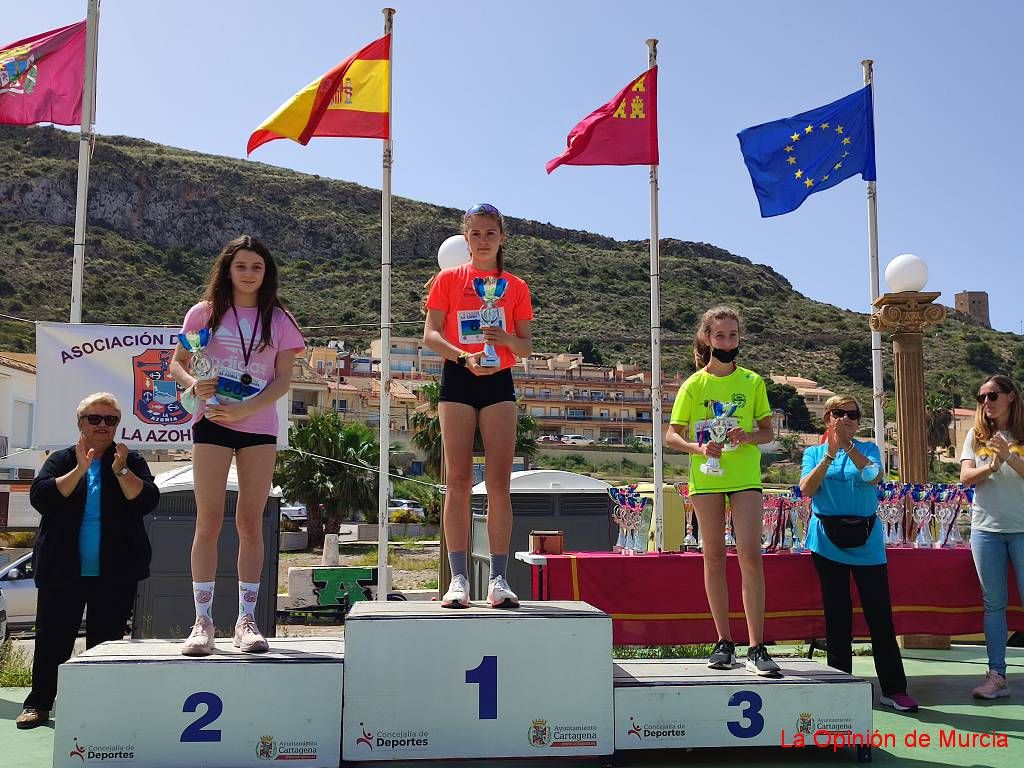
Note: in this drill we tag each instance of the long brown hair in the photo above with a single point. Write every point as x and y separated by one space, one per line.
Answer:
702 339
984 428
220 294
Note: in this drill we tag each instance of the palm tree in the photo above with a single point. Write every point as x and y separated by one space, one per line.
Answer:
330 468
938 415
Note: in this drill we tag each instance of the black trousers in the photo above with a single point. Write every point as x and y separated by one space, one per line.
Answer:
873 587
58 618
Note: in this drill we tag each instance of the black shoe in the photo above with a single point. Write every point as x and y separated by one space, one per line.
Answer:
723 656
31 718
760 663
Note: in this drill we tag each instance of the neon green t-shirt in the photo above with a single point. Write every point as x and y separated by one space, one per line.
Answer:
741 464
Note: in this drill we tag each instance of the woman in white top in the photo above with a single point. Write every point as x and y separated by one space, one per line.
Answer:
993 461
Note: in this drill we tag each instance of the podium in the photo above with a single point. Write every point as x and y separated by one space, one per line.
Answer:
141 702
422 681
415 681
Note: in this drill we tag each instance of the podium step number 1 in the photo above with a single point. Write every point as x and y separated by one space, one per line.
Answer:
423 681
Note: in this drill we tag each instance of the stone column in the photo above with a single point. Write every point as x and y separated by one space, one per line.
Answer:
906 315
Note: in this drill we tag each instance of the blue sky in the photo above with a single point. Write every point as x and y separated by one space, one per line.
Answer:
485 93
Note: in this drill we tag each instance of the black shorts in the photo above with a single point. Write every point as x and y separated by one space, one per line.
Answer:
729 493
206 432
460 385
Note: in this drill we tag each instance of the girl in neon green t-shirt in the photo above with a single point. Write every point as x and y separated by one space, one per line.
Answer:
719 379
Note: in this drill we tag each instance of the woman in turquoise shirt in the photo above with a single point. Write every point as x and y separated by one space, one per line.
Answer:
840 476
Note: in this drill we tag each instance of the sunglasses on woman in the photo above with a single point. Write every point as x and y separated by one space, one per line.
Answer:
483 208
838 413
95 419
990 396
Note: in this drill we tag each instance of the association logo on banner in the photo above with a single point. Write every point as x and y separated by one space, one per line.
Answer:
805 724
540 734
156 397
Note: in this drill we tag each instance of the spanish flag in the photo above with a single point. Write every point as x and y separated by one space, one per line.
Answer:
351 100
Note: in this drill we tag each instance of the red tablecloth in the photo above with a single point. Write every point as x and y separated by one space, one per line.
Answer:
659 599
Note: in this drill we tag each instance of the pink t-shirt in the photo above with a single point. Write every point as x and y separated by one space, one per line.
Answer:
225 352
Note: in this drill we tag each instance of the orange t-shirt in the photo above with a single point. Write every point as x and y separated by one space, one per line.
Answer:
453 293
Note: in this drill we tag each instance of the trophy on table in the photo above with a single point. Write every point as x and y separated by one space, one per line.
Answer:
921 500
801 519
628 514
689 540
730 540
947 513
890 512
718 430
201 366
490 289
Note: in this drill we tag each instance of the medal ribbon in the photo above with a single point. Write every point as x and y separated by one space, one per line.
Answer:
246 352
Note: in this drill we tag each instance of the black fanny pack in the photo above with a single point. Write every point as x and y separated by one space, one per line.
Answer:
847 531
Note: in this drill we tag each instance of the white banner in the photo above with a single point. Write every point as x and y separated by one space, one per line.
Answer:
131 362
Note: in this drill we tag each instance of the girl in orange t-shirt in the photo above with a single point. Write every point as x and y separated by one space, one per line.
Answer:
475 395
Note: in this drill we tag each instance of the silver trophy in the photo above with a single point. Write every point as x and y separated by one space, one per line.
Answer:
689 540
718 432
201 367
490 289
921 499
801 518
730 540
628 514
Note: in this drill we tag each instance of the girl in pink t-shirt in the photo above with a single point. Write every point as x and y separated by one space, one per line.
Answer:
253 343
475 395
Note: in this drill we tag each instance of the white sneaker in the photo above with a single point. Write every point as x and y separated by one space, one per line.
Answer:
457 595
200 641
500 595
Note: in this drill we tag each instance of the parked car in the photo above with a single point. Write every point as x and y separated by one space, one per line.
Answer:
294 512
548 439
19 589
576 440
411 505
3 616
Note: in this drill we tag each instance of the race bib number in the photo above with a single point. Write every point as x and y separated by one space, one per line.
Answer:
702 430
231 388
469 325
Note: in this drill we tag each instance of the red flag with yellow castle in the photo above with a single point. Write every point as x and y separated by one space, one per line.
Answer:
622 132
42 78
351 100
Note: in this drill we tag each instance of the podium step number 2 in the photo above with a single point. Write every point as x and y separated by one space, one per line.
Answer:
143 703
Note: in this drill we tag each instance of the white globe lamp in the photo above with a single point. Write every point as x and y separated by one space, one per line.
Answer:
906 272
453 252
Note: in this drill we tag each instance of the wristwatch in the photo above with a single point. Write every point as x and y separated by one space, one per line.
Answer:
123 472
462 359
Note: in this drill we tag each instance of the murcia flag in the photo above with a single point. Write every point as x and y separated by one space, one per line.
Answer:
622 132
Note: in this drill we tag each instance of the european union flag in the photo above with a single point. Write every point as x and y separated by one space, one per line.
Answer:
798 156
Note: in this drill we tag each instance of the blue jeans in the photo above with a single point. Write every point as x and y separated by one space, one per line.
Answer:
993 553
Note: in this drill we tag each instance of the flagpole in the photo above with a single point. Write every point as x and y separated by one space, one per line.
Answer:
85 141
877 386
659 433
383 582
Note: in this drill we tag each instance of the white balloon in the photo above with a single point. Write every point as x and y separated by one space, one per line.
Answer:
906 272
453 252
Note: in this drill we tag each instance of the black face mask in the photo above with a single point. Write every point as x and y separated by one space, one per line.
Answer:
724 355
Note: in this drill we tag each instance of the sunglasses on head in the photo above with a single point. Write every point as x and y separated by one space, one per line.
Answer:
838 413
483 208
990 396
95 419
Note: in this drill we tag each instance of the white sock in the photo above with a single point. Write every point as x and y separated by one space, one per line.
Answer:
202 596
247 595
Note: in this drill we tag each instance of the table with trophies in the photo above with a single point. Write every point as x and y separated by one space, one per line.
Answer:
658 598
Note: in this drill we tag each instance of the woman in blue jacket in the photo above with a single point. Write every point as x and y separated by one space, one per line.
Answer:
91 550
840 476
